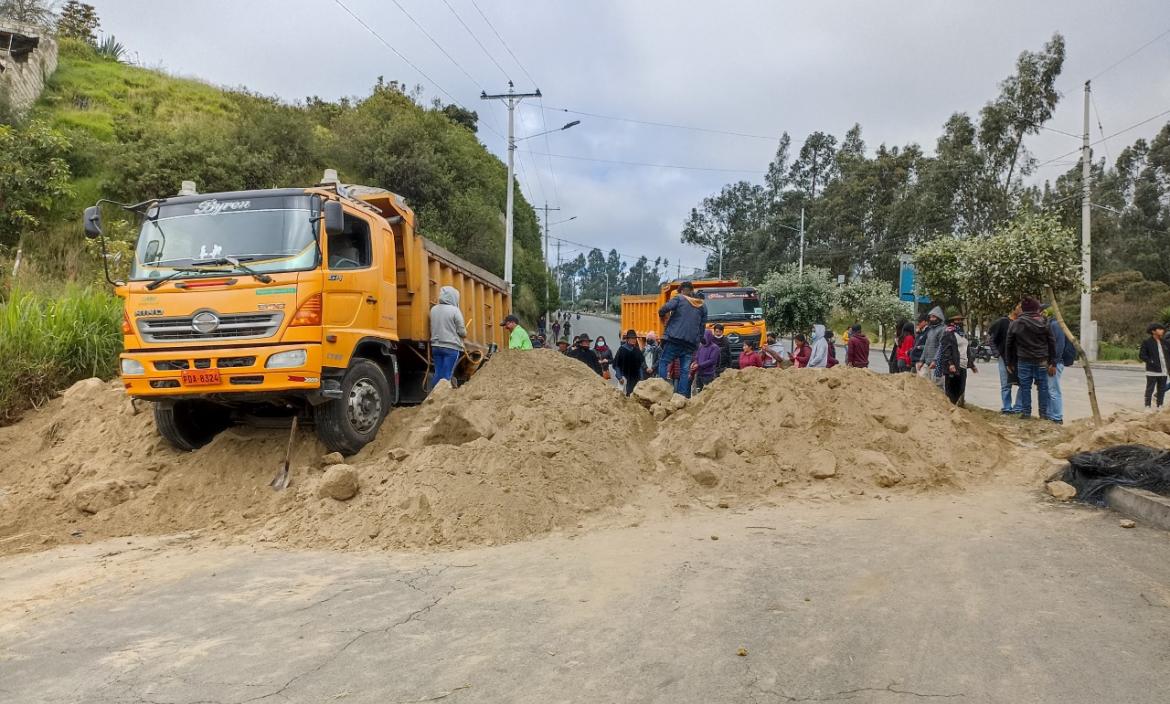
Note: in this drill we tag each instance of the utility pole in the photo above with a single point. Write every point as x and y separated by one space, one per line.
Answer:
511 99
547 312
801 265
1088 332
560 284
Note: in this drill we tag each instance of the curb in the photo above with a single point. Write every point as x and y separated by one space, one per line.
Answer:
1146 506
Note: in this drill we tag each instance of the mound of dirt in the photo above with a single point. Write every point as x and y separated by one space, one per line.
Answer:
825 433
533 443
1122 428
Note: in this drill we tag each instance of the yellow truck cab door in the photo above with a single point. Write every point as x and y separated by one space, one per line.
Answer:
352 281
388 285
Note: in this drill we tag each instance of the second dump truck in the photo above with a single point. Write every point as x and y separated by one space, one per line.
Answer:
736 306
256 306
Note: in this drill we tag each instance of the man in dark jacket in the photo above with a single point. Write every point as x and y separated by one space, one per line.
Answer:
857 349
685 316
1154 352
629 361
954 358
919 343
998 333
584 353
1031 354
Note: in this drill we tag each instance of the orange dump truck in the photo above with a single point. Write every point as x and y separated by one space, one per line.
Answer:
737 307
256 306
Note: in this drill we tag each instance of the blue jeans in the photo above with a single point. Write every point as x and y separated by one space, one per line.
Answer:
444 360
1005 388
670 352
1032 372
1055 399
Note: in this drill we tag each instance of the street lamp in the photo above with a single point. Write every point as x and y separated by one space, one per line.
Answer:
562 128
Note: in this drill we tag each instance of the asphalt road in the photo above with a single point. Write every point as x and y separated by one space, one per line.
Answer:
1117 389
988 596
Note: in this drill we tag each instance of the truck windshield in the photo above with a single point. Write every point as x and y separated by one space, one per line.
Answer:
733 305
267 233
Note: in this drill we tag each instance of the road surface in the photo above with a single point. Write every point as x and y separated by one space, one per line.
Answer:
993 595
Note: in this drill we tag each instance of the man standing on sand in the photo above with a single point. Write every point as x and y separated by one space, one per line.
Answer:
1031 354
517 336
857 349
934 333
447 333
683 331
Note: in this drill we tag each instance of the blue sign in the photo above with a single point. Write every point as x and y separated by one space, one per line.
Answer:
906 281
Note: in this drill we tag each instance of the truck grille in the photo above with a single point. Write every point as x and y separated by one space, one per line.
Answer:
238 326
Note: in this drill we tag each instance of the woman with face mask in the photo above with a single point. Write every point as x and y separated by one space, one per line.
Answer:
604 353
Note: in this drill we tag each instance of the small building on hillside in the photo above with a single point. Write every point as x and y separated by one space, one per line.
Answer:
28 56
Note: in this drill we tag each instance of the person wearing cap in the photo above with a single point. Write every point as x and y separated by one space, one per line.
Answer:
1155 350
1031 354
650 354
563 345
628 361
582 352
857 348
686 317
954 358
517 336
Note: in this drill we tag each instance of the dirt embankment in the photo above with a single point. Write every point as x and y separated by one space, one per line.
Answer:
534 443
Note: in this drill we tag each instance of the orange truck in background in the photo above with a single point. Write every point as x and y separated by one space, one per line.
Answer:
736 306
257 306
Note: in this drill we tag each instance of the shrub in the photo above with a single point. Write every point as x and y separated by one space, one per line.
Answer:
50 340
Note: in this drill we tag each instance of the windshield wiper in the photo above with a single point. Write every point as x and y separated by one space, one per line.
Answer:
183 270
235 262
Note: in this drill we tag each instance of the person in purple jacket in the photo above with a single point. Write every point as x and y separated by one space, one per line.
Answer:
707 360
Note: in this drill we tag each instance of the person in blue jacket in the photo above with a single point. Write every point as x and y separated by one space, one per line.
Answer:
686 319
1066 355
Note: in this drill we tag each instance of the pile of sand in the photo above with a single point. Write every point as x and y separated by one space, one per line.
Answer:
534 443
1122 428
825 432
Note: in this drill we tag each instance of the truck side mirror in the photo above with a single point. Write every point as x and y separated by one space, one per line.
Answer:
334 218
92 221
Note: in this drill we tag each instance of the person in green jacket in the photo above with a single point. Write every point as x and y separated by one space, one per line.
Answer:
517 336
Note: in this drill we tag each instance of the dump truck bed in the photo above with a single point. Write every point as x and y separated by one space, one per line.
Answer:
641 314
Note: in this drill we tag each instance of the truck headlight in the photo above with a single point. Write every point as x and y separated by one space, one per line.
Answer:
291 358
132 366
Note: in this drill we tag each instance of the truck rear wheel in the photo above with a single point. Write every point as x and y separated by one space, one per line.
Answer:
189 425
349 423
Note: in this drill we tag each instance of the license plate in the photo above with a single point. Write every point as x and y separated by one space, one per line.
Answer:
201 377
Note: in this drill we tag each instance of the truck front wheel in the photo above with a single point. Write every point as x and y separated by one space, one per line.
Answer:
189 425
349 423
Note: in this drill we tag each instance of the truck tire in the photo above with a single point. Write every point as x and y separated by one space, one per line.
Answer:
189 425
349 423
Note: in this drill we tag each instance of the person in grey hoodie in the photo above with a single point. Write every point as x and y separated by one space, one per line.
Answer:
819 357
934 333
447 333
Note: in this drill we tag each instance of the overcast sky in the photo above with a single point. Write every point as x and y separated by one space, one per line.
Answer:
759 68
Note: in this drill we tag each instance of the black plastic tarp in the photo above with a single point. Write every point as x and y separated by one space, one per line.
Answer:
1123 465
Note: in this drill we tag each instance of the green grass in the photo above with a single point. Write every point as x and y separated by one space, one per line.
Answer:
1117 353
50 340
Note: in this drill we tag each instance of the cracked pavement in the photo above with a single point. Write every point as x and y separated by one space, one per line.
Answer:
994 595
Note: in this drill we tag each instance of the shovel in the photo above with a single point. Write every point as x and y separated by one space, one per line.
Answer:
280 482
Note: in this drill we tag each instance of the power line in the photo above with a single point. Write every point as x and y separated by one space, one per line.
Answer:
1100 128
437 44
1099 141
667 124
647 164
1128 56
477 41
624 255
407 61
503 43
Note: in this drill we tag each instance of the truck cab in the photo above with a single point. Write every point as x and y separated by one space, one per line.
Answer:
738 309
256 306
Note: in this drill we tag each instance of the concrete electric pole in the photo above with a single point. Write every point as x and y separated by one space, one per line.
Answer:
547 311
511 99
1088 328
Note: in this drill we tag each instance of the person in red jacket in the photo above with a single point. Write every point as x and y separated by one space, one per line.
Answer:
750 357
857 350
800 351
905 347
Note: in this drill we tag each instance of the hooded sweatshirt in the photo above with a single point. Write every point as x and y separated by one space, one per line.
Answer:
819 357
934 333
447 327
857 350
708 355
688 316
1029 339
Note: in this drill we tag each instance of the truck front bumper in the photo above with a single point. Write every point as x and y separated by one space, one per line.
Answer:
241 370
